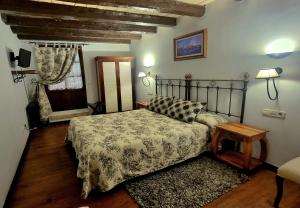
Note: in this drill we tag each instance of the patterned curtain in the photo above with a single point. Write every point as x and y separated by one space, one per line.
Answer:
53 65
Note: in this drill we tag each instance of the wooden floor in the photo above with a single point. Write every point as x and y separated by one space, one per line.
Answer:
47 178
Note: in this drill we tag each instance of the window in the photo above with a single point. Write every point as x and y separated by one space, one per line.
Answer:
73 79
71 93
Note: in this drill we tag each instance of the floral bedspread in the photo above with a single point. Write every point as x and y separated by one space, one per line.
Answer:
115 147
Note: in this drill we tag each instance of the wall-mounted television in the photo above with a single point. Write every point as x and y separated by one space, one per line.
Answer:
23 58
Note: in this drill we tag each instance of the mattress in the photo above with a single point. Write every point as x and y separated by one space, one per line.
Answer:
115 147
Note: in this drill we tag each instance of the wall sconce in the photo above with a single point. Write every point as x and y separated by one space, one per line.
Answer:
270 74
145 76
280 48
149 61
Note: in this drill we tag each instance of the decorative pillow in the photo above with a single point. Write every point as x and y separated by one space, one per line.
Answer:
210 119
160 104
184 110
202 103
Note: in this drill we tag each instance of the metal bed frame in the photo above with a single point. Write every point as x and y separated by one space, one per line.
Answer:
168 86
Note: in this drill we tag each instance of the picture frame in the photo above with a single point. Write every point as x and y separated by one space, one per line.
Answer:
191 46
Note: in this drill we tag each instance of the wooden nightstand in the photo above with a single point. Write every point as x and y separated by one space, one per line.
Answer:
142 104
241 133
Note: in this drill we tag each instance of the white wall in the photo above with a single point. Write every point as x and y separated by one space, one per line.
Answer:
238 34
13 135
89 53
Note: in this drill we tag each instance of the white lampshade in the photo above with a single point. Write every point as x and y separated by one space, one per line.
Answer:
149 60
282 45
141 74
267 73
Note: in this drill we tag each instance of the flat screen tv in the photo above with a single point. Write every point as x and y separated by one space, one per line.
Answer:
24 58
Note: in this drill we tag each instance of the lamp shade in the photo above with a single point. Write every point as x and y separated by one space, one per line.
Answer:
149 60
280 46
267 73
141 74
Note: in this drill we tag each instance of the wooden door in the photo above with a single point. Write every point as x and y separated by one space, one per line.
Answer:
110 86
125 86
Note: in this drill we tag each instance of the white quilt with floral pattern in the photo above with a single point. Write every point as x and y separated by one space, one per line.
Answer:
115 147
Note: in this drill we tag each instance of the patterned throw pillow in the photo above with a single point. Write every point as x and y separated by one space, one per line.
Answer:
184 110
210 119
202 103
160 104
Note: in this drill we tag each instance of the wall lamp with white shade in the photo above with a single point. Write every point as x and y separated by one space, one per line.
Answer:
280 48
148 62
270 74
145 78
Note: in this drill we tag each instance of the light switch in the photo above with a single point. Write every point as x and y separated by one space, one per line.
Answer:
274 113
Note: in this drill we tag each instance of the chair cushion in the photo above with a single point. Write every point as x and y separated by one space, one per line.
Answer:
291 170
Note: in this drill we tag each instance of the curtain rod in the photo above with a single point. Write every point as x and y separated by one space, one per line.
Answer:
57 43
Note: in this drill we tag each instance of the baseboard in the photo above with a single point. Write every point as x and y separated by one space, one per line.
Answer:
55 123
270 167
265 165
67 115
20 165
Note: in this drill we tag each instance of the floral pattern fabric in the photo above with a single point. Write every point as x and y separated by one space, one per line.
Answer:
210 119
115 147
45 106
53 65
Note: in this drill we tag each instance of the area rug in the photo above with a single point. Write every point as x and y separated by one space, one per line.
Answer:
194 183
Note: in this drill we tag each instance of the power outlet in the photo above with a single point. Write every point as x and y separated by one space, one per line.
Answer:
274 113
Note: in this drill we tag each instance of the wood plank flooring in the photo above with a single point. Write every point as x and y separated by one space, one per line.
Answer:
47 178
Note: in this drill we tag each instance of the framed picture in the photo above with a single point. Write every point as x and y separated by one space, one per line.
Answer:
191 46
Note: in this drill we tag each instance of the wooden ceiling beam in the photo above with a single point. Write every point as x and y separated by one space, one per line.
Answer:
73 24
42 9
73 32
159 6
71 38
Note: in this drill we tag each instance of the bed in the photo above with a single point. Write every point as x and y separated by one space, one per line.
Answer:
115 147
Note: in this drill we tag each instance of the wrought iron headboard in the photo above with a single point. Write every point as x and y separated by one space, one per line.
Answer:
184 89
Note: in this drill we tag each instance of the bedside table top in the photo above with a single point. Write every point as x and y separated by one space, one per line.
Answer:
241 129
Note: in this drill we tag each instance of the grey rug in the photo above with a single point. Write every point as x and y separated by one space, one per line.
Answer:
194 183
